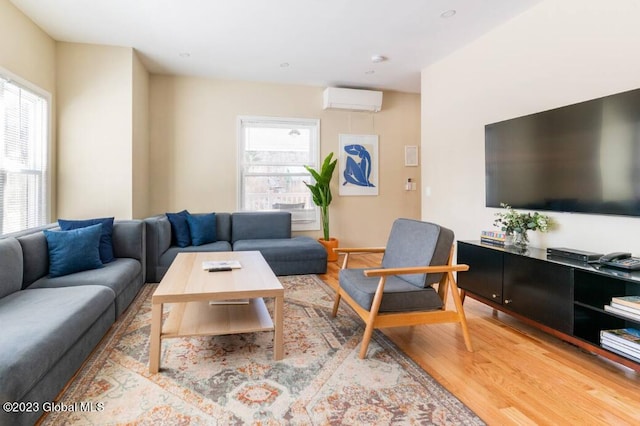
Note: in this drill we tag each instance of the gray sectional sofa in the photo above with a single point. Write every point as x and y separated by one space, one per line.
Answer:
51 325
267 232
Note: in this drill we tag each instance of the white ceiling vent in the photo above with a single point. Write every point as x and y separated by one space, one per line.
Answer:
352 99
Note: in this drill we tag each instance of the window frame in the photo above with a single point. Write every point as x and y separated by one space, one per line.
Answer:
279 122
46 172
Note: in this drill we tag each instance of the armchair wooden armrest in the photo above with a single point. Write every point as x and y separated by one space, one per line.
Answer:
415 270
359 250
356 250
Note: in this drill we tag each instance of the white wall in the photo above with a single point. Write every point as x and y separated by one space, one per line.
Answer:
555 54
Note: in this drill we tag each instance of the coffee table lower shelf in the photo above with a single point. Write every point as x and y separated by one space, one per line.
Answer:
203 319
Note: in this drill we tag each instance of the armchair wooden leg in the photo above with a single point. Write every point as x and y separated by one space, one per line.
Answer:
368 332
336 302
465 333
371 319
457 294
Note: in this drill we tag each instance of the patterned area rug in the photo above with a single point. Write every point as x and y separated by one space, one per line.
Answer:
234 380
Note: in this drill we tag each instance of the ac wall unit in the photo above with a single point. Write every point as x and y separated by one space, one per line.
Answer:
352 99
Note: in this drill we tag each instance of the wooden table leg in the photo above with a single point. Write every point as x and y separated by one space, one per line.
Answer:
278 328
155 341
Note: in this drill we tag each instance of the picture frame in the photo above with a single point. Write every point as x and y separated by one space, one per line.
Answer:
358 165
411 156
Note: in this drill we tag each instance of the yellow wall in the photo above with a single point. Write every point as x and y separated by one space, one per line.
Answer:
555 54
193 125
25 49
95 131
140 140
29 53
132 145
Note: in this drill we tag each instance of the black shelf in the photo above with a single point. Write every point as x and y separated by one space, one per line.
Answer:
561 296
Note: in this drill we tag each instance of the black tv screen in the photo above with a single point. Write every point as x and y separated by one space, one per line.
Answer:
579 158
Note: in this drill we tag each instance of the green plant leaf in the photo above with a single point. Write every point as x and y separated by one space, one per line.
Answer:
321 190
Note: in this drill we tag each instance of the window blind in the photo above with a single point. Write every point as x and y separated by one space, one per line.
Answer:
23 157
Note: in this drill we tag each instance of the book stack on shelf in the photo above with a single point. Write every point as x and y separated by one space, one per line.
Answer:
494 238
625 306
624 341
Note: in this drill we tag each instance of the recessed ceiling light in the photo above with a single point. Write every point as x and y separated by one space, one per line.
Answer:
284 65
448 14
370 72
184 54
376 59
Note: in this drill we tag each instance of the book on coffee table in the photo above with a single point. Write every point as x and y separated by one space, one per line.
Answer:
216 264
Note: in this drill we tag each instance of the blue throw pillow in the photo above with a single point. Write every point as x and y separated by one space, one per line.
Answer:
106 239
202 227
181 236
73 251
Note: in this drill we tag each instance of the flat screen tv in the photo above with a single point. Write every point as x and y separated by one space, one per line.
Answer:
581 158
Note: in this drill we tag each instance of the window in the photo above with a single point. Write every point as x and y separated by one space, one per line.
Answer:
271 158
24 136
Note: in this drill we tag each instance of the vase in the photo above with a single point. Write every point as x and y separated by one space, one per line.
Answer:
520 239
332 256
517 239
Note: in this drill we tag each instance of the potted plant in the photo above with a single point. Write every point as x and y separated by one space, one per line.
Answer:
321 192
517 224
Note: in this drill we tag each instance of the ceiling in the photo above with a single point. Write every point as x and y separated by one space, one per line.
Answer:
308 42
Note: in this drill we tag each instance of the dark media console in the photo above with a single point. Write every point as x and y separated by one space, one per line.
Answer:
562 296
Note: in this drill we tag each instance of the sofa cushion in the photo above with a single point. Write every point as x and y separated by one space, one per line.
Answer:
106 242
128 239
115 275
399 295
289 256
73 251
260 225
181 236
10 266
35 256
297 248
39 326
169 256
202 228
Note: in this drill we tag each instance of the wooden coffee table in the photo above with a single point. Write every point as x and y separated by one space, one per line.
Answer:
189 289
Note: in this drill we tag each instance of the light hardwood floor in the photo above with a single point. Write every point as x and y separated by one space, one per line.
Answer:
516 373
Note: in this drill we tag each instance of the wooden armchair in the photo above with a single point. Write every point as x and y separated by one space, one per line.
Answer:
400 293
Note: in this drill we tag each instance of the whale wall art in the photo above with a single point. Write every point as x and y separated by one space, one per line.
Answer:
358 164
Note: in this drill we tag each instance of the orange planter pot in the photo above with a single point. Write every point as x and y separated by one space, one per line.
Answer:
329 246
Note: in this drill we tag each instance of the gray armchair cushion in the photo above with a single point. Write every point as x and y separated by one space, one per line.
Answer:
416 243
399 295
10 266
260 225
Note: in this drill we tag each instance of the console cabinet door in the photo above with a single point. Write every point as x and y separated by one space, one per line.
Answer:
539 290
484 277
